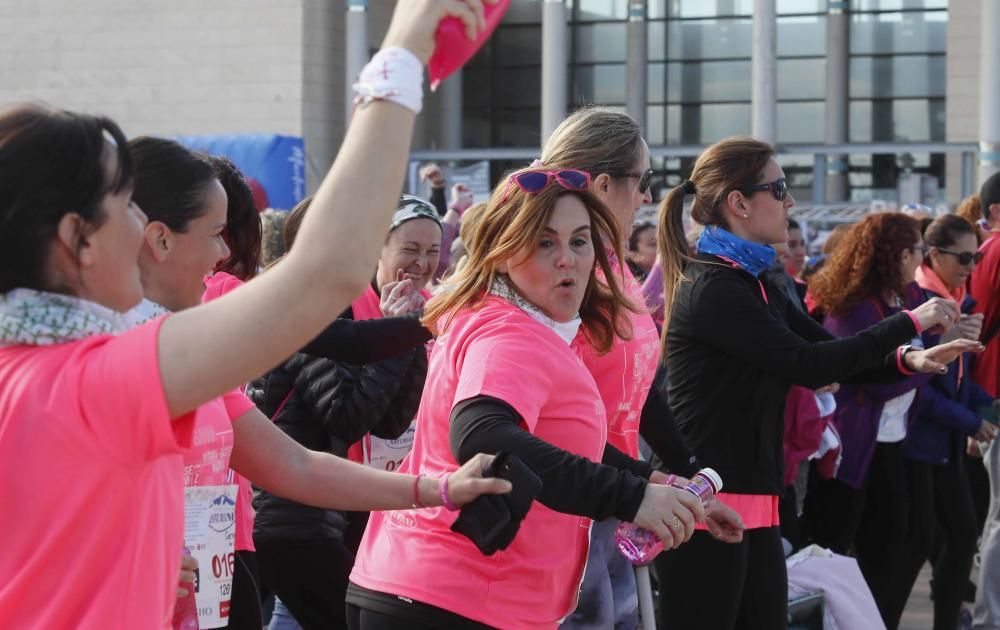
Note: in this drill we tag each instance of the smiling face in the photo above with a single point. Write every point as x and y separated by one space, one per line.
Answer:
553 275
413 248
953 273
175 264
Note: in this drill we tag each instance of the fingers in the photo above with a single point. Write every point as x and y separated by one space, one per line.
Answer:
665 535
181 592
693 504
465 12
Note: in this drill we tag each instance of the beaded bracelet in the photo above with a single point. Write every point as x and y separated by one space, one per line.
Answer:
443 490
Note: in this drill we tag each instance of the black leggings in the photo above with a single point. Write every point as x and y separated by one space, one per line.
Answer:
705 583
873 519
941 510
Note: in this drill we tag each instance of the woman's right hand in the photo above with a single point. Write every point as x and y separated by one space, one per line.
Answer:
398 298
468 482
937 312
936 359
415 22
670 513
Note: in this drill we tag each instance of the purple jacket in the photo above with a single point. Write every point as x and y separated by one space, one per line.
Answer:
859 407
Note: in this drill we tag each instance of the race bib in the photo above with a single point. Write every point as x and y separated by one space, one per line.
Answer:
387 454
210 534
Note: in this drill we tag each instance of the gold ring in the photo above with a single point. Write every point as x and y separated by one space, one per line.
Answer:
676 523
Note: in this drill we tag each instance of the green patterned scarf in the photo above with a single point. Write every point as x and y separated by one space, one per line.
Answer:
38 318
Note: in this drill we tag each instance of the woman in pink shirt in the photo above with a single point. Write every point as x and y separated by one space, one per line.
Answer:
93 424
504 376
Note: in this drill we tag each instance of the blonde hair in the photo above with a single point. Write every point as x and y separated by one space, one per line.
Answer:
509 226
596 140
731 164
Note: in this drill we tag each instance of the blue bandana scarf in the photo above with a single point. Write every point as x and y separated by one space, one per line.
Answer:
751 257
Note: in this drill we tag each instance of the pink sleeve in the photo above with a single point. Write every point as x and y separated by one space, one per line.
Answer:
510 365
122 397
237 403
219 284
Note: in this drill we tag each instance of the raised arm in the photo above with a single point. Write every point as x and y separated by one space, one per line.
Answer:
203 351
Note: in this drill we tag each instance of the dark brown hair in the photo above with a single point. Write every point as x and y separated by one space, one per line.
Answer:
52 163
243 231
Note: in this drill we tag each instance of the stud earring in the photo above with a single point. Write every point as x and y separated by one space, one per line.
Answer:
746 216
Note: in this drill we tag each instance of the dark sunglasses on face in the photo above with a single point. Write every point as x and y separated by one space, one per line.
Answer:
778 188
645 179
964 258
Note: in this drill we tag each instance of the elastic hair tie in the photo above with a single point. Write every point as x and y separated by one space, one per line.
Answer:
688 187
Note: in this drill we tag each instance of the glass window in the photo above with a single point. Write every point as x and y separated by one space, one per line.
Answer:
708 39
589 10
905 32
801 6
523 11
708 81
518 45
656 116
518 87
911 120
895 5
476 89
800 122
702 8
705 124
476 125
518 127
656 83
801 78
599 42
801 36
603 84
887 77
656 40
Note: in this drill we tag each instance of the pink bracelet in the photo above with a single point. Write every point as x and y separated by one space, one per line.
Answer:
443 490
900 363
416 493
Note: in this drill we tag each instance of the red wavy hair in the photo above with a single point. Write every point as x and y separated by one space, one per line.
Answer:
866 262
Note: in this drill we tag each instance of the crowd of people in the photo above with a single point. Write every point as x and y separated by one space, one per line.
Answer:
379 412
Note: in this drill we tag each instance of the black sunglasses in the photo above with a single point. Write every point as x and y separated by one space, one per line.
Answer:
964 258
645 179
778 188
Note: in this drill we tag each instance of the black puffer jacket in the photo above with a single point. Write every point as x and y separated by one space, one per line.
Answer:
331 406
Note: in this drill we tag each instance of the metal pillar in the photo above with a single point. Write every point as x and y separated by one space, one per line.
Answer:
837 62
356 44
635 63
555 64
451 112
764 71
989 89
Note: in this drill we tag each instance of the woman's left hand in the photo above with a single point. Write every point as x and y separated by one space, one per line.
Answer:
936 359
467 483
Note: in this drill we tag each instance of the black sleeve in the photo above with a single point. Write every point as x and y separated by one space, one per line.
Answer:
732 318
571 484
369 340
621 461
658 427
350 400
438 200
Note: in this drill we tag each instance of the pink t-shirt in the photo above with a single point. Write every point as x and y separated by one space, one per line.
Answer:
625 374
90 485
236 404
500 351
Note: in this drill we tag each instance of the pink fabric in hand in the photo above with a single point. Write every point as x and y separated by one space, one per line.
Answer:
452 48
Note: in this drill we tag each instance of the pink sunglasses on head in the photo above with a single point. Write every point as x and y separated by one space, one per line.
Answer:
535 181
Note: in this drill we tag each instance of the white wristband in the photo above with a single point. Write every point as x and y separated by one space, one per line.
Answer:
394 74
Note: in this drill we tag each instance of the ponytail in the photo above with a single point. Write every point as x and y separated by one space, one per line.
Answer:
673 252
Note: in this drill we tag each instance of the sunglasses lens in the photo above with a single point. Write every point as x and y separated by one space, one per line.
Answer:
532 181
644 182
780 189
573 179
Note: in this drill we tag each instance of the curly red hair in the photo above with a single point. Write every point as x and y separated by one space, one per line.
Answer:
866 262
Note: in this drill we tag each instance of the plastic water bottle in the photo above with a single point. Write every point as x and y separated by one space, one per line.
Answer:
640 545
186 609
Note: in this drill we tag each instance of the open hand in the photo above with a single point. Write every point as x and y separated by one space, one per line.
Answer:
936 359
723 522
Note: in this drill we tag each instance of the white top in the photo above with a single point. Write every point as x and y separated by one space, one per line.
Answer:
892 424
